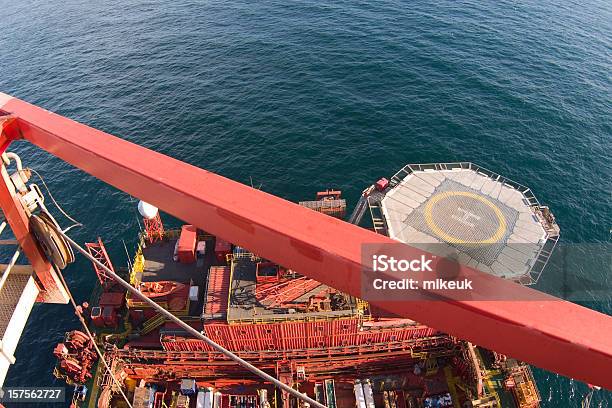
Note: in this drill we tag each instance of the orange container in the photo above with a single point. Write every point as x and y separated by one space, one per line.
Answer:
187 244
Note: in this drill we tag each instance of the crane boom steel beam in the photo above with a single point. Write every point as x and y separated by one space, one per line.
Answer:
550 333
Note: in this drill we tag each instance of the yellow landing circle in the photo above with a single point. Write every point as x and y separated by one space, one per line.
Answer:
497 235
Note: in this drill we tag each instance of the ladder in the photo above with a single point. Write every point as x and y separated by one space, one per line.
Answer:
152 324
18 292
380 227
359 211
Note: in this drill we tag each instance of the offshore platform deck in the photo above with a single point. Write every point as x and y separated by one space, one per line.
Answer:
328 344
484 220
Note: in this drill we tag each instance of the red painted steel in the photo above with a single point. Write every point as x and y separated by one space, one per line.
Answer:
292 290
113 299
382 184
547 332
47 279
98 251
96 316
187 244
266 273
174 345
298 336
217 293
222 249
154 228
149 364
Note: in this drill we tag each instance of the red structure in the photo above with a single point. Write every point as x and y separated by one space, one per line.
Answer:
187 355
187 244
76 357
578 345
329 202
222 249
154 228
382 184
334 336
329 194
279 294
106 314
98 251
267 272
217 293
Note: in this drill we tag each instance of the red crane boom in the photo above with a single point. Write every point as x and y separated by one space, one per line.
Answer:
548 332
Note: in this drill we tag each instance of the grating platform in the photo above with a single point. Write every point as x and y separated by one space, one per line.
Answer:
17 297
490 223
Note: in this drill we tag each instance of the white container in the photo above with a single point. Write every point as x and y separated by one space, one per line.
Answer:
201 248
193 293
175 254
200 400
263 397
147 210
204 399
217 399
368 394
359 397
208 399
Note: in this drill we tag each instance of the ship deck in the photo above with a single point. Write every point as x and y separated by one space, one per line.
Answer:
240 295
159 265
244 306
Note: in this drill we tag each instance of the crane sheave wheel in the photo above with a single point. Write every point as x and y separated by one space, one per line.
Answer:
53 245
52 224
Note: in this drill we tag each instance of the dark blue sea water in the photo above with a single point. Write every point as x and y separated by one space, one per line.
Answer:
304 95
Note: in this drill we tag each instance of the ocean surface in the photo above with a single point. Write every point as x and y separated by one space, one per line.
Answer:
299 96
